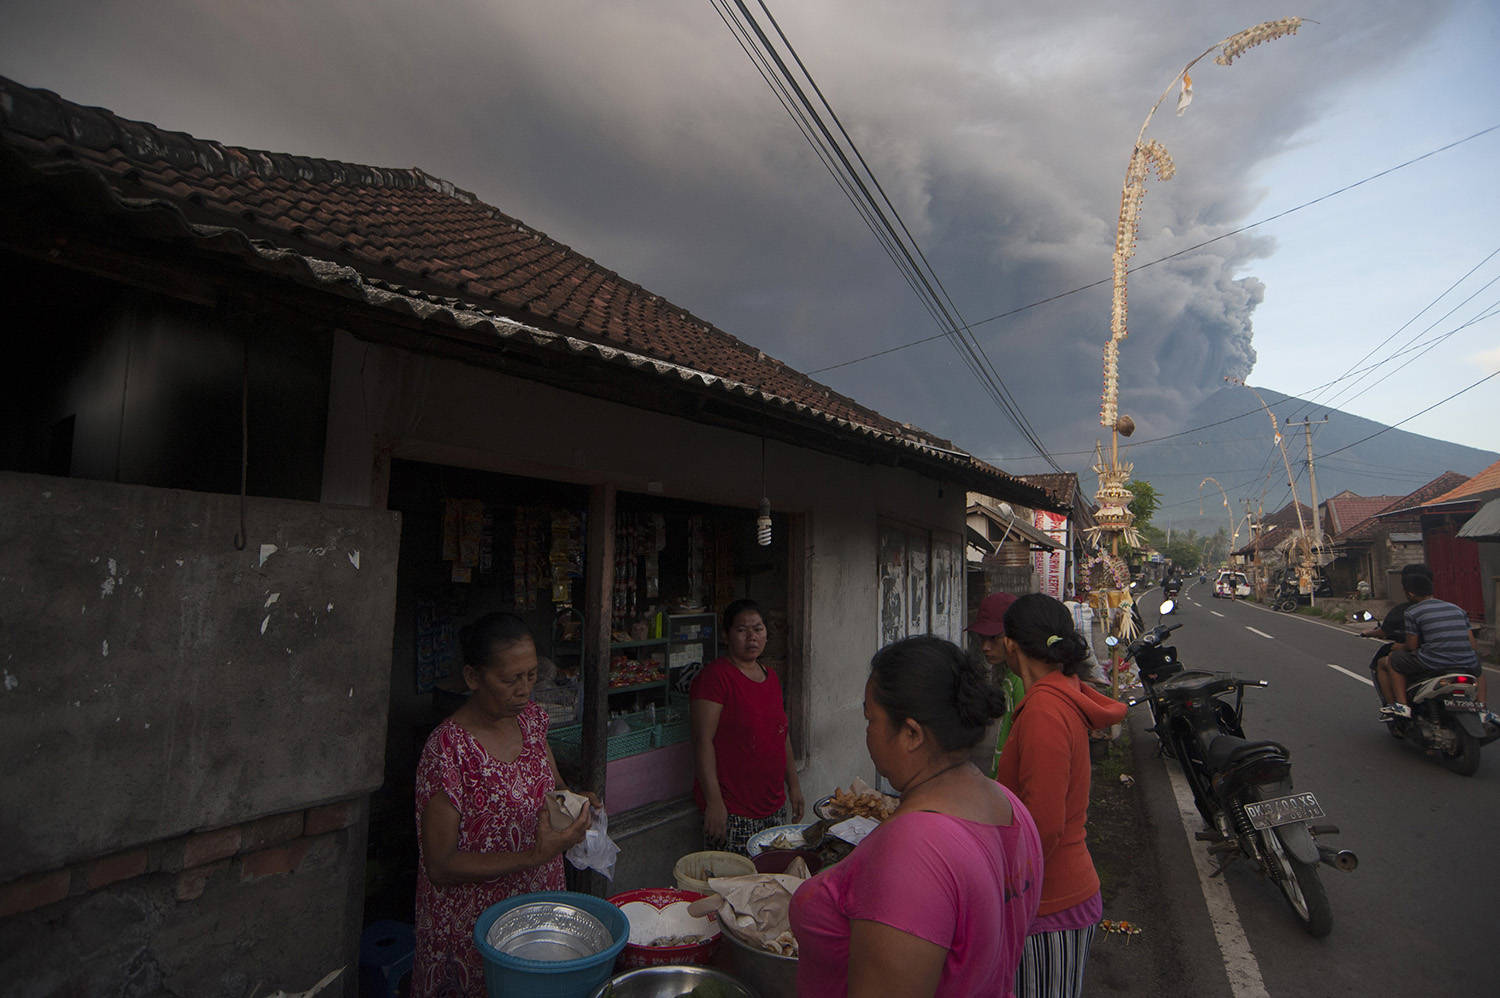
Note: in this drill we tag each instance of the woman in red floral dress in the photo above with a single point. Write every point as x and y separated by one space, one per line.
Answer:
482 827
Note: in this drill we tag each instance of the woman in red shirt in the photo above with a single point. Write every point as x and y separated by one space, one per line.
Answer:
1046 763
746 777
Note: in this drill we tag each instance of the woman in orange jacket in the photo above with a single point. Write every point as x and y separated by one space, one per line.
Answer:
1046 764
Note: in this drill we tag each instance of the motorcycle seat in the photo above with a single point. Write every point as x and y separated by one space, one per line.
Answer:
1187 684
1226 750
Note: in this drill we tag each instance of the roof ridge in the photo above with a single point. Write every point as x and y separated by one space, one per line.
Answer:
41 114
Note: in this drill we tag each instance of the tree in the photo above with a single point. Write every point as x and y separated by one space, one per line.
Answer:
1144 502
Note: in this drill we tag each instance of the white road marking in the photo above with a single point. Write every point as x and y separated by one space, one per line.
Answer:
1261 633
1352 675
1239 963
1216 613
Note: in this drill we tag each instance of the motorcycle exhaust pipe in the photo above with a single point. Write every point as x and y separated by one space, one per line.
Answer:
1339 859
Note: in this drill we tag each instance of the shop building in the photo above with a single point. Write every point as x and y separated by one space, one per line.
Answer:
313 416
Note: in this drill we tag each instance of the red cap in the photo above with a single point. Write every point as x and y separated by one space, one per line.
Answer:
990 620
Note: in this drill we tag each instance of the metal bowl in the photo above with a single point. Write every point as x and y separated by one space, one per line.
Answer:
670 982
770 974
549 930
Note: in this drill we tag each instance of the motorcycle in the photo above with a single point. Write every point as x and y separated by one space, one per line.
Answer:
1447 717
1241 788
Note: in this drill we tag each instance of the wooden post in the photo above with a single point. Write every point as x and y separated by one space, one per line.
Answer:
598 605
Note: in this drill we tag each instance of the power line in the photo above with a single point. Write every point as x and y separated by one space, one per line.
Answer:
880 215
1309 403
1413 416
1170 256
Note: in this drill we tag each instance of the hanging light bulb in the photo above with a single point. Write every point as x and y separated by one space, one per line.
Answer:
763 524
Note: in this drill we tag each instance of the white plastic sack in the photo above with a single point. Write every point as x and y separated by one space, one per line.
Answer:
597 851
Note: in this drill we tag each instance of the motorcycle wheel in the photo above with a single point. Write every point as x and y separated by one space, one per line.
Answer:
1287 606
1301 886
1465 761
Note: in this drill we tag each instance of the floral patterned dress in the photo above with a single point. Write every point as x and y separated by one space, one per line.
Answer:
497 805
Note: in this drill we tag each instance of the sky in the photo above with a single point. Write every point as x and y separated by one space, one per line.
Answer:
640 134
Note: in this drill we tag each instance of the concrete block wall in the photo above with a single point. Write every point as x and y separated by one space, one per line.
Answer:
257 905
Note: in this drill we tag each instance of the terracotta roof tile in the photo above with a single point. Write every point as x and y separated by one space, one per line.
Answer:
1486 481
1347 510
406 222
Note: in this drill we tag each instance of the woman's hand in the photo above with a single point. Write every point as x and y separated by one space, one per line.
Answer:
716 820
794 802
552 842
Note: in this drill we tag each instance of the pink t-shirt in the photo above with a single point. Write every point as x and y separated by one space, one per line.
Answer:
969 887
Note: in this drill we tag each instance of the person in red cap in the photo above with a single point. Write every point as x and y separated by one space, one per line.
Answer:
989 624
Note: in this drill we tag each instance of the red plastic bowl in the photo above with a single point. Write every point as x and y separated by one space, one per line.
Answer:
633 956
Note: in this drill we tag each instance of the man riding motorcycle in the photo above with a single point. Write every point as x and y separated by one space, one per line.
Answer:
1432 636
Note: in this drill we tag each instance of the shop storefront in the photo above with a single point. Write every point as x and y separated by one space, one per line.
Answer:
477 542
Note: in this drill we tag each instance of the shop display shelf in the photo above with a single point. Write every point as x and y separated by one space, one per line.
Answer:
620 746
568 734
653 684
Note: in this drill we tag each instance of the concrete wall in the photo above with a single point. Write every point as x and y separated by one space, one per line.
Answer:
159 684
444 412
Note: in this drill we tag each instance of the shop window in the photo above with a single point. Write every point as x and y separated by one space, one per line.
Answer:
921 583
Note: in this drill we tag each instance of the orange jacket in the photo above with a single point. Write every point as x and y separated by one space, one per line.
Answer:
1046 764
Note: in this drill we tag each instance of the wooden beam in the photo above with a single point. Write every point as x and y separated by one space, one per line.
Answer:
599 576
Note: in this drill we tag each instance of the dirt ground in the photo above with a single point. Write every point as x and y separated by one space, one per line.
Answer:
1120 840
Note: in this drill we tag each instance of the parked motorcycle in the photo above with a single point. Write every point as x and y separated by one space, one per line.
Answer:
1447 717
1242 789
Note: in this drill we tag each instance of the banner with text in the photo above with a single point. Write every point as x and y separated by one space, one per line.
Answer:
1052 566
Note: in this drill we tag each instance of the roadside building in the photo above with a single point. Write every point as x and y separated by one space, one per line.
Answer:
1060 571
1377 548
1464 565
283 424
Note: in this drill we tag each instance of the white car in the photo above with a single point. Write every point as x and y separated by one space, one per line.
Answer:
1231 585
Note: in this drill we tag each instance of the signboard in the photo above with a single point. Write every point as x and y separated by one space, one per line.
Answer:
1052 566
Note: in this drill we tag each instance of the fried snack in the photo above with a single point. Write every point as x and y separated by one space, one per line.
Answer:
871 804
784 944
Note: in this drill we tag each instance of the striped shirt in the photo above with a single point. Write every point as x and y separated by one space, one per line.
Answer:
1442 631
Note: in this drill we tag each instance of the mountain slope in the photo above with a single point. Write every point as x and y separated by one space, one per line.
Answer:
1239 453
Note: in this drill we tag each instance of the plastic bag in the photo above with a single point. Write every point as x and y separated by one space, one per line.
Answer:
597 851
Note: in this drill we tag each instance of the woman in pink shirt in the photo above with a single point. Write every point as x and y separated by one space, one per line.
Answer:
938 898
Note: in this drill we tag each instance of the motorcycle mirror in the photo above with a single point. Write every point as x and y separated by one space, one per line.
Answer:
1111 640
1168 607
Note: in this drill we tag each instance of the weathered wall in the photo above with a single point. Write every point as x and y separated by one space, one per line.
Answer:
156 680
444 412
266 905
189 732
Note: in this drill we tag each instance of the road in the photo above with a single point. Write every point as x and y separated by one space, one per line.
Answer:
1421 914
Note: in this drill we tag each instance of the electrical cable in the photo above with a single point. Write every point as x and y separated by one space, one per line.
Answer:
1170 256
935 300
1413 416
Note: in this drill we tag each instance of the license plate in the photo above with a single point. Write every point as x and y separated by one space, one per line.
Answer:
1283 810
1456 703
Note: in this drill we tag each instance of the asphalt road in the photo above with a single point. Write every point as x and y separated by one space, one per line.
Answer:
1421 915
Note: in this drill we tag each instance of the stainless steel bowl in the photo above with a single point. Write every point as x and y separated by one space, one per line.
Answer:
670 981
548 930
771 975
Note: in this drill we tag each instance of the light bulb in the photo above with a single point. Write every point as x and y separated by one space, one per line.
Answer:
763 524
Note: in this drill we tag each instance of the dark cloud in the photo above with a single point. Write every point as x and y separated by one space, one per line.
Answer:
639 133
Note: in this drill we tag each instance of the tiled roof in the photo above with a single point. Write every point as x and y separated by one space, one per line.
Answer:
1484 485
1347 510
1067 490
1414 500
420 244
1277 527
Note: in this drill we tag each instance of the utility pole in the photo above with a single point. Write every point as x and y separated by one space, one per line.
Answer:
1312 481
